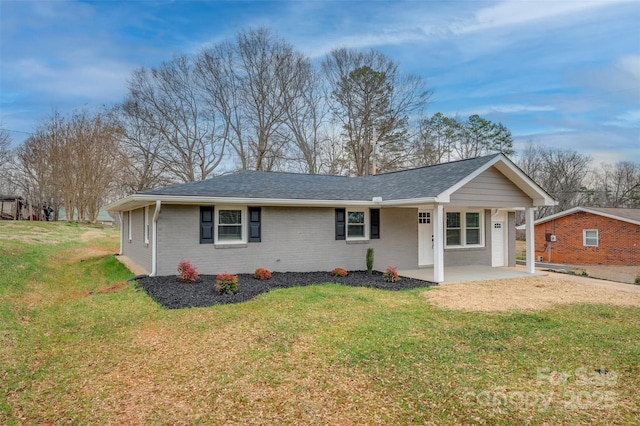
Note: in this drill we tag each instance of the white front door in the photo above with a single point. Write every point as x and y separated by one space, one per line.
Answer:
425 238
498 244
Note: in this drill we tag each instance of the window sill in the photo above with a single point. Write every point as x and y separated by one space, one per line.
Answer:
464 248
357 241
230 245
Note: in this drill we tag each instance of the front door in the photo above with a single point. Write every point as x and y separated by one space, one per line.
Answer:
425 238
498 244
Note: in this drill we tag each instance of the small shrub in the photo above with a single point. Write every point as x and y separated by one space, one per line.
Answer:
370 259
187 272
638 279
226 283
262 274
390 274
339 272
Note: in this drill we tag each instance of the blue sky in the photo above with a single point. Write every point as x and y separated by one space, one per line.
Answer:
559 73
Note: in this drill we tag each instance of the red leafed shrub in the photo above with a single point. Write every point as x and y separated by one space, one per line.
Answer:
262 274
226 283
390 274
339 272
187 272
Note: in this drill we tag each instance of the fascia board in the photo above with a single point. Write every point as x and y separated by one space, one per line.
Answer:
412 202
137 200
586 210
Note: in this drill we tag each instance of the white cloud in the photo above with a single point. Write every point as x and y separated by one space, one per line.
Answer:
517 12
630 64
506 109
626 119
601 145
97 79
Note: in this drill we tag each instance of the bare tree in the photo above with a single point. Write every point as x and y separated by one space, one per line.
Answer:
254 84
618 185
142 149
305 124
560 172
93 150
37 169
373 102
71 162
5 145
166 104
5 157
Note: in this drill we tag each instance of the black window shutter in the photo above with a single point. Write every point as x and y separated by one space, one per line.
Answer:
206 224
340 224
374 215
254 224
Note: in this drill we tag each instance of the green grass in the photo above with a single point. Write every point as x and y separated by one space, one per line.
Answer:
71 352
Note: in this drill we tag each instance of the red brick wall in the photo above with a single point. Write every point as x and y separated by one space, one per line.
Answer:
618 242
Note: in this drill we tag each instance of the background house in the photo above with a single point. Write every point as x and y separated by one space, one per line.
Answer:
15 208
589 235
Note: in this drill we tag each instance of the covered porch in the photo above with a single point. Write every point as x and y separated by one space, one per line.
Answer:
466 273
458 241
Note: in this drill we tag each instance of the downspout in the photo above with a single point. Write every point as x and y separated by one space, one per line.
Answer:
154 243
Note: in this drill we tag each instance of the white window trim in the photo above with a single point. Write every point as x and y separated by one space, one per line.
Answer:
463 228
584 238
366 224
129 227
243 222
146 224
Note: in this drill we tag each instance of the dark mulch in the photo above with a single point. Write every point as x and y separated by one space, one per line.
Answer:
172 293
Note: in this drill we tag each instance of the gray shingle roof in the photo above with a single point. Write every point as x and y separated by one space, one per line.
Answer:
422 182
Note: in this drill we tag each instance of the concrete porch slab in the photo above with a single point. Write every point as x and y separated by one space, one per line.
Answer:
458 274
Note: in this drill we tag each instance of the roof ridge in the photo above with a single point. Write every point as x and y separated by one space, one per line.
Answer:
440 164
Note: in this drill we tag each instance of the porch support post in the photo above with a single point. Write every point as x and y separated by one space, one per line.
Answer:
438 243
529 227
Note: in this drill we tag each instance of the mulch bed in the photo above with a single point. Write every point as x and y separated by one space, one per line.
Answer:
172 293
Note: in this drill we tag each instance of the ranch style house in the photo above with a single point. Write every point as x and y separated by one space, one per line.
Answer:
450 214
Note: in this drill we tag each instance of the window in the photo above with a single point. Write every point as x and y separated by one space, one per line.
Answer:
356 224
424 217
229 225
464 229
454 230
590 237
472 228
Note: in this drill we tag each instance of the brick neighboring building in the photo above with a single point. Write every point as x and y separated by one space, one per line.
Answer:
589 235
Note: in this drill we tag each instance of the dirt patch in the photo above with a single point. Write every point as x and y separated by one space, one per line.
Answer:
527 293
92 235
107 289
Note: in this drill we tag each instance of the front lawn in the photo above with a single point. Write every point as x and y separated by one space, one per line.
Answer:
78 345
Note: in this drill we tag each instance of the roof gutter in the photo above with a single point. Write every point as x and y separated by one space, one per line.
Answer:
139 200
